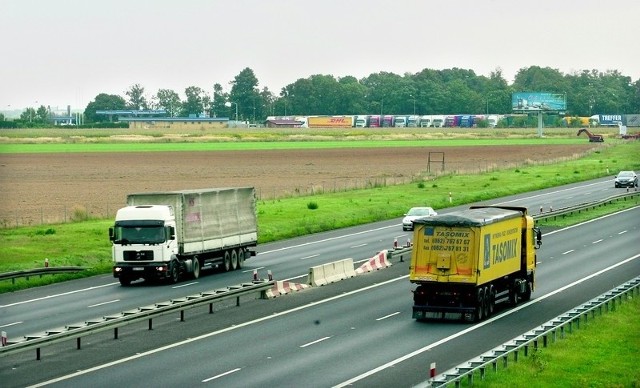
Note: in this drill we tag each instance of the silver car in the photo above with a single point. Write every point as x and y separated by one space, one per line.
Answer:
415 213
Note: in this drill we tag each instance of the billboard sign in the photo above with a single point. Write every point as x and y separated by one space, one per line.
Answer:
612 120
535 102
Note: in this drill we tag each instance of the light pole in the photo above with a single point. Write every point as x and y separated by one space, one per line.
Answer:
228 105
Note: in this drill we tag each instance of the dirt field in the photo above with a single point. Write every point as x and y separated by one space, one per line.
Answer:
45 188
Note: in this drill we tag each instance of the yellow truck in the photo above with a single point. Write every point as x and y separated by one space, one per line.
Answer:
466 262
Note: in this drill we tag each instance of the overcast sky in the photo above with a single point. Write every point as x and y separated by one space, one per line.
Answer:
65 52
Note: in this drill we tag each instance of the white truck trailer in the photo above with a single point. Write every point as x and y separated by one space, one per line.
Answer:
168 235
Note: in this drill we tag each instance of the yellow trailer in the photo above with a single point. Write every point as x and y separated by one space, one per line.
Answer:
466 262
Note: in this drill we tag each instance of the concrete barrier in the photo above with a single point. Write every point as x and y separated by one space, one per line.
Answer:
331 272
283 288
380 260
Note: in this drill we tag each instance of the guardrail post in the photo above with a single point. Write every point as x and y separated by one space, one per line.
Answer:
181 315
237 301
150 324
115 333
211 308
38 354
78 343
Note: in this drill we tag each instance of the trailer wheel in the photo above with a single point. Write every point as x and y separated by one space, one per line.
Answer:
196 268
486 302
492 300
480 305
241 253
227 261
174 272
513 296
234 260
527 294
124 281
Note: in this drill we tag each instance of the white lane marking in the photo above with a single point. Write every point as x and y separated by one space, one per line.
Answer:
314 342
316 303
221 375
359 245
388 316
57 295
551 192
309 257
12 324
478 325
597 241
590 221
185 285
623 232
569 251
103 303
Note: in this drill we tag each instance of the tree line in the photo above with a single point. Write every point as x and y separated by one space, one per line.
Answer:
427 92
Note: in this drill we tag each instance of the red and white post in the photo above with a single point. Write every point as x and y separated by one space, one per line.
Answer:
46 263
432 370
3 338
270 275
255 274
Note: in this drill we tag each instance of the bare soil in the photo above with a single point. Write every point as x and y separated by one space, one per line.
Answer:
55 187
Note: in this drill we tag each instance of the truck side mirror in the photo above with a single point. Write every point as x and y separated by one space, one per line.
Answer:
111 234
172 233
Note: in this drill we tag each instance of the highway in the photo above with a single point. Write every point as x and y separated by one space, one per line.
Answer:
358 331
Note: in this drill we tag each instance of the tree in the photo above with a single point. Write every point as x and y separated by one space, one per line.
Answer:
103 102
168 100
137 100
196 102
245 93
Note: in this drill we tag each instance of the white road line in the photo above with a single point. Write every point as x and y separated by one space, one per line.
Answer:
11 324
221 375
388 316
314 342
252 269
623 232
479 325
358 246
597 241
103 303
185 285
569 251
57 295
309 257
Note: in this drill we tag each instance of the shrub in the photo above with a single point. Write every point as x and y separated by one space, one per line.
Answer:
312 205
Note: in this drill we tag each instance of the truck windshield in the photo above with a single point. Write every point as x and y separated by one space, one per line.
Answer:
139 234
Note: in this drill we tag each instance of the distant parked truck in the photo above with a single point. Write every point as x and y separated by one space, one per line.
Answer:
375 121
466 262
438 121
169 235
413 121
426 121
400 121
362 121
388 121
330 121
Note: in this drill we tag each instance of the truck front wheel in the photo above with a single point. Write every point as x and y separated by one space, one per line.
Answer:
480 305
124 281
174 272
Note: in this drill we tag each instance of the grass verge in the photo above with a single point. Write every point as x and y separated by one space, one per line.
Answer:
603 352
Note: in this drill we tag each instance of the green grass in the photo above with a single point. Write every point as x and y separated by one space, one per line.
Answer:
86 243
603 352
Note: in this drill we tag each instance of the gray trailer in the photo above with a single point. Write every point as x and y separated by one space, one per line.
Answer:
167 235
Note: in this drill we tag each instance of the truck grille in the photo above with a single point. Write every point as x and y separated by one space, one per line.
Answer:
137 255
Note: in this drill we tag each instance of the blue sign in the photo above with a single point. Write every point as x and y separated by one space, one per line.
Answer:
532 101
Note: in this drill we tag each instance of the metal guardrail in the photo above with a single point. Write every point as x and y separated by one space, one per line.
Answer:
115 321
38 272
563 323
584 206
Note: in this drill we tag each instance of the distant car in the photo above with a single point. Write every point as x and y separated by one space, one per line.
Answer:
415 213
626 179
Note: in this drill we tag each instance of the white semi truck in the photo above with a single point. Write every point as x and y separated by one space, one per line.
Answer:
169 235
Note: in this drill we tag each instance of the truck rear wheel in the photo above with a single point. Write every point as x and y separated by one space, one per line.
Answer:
527 294
480 305
196 268
234 260
492 300
227 261
241 253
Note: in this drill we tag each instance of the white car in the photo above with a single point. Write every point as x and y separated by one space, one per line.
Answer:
415 213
